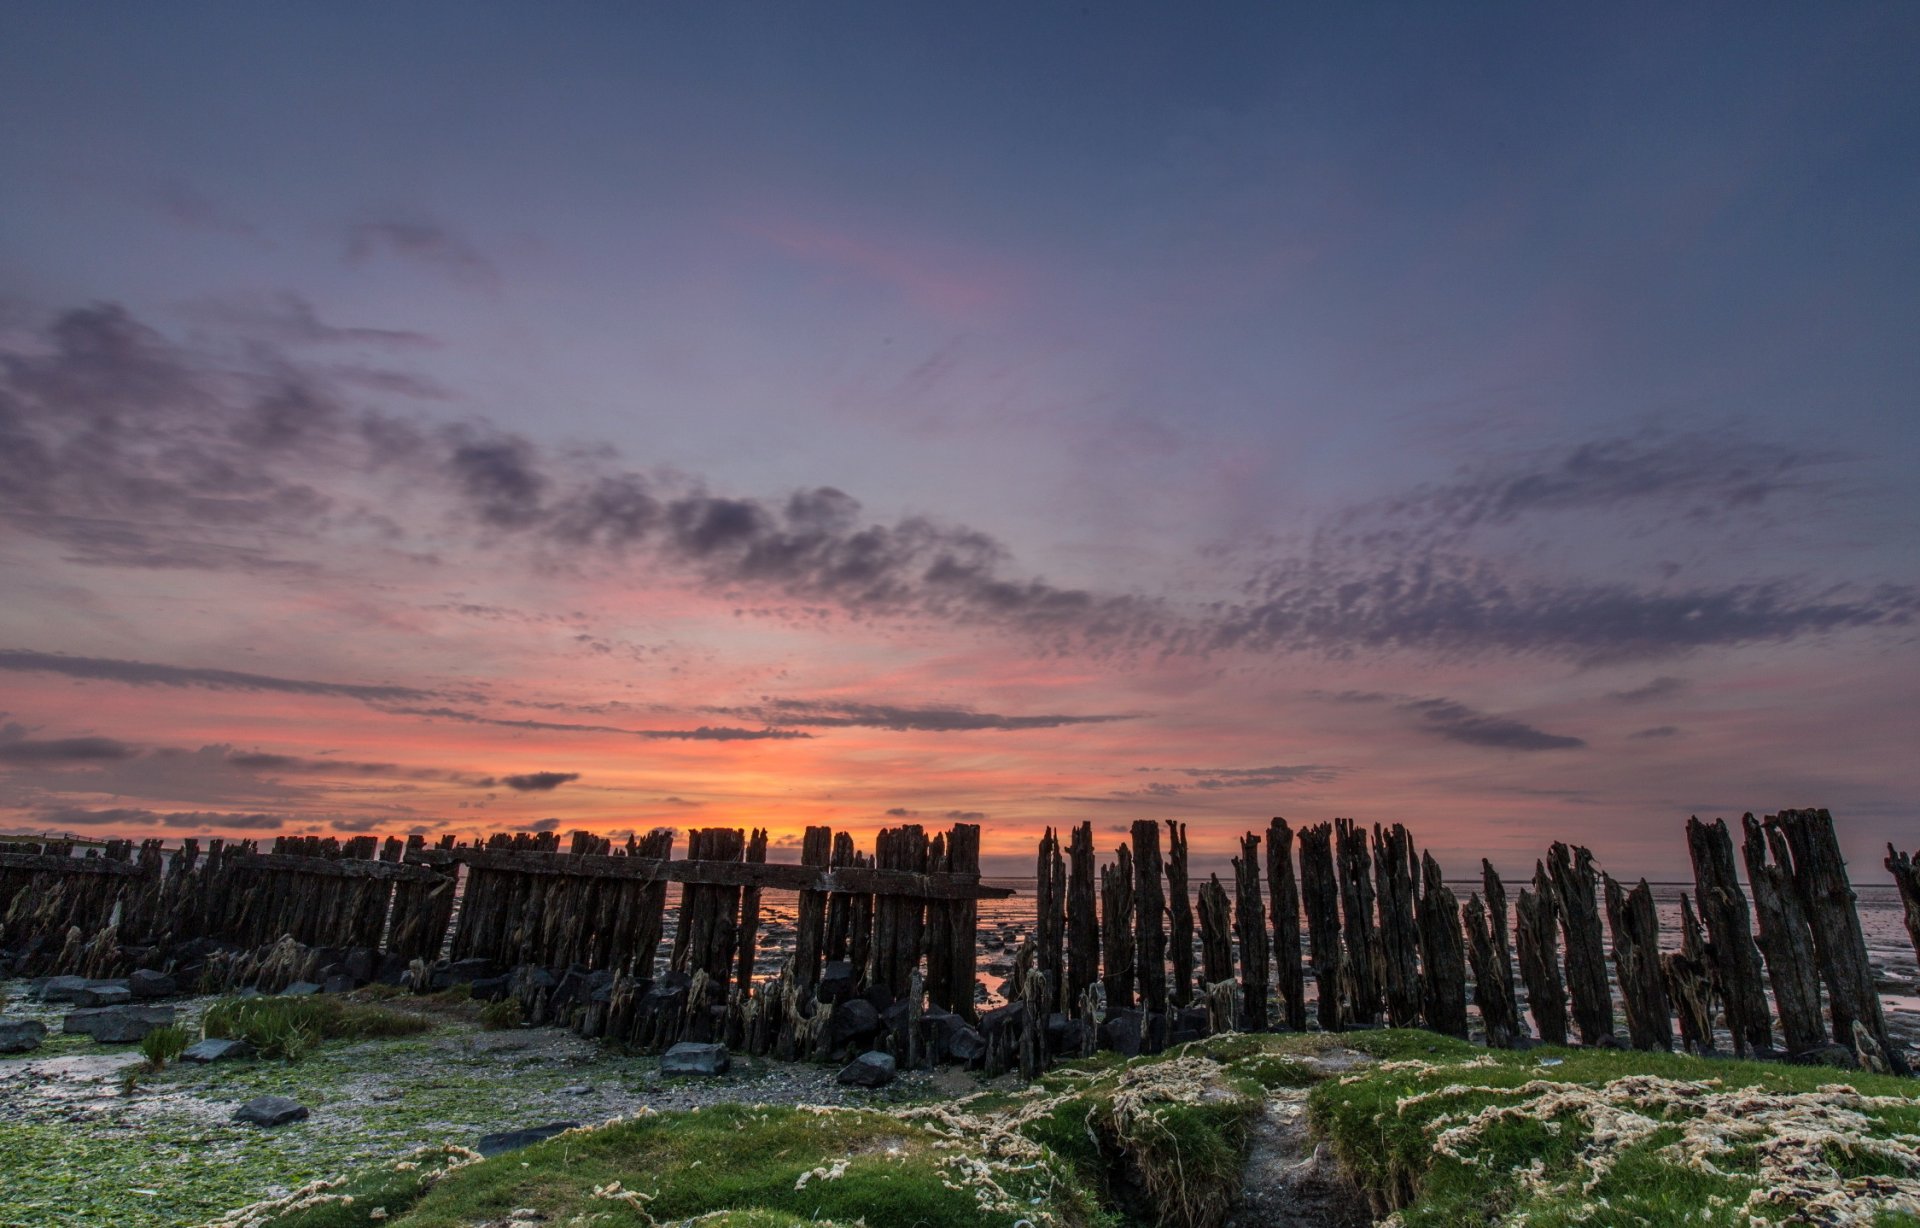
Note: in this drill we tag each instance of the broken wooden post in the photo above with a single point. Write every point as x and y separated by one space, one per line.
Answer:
1083 918
1283 898
1250 927
840 903
1636 958
1690 983
1320 897
1216 933
1536 935
899 921
1492 992
1050 915
1906 875
1574 883
750 912
1150 917
1820 876
1395 868
1116 929
1785 937
1443 970
963 920
1735 959
810 921
1357 929
1179 914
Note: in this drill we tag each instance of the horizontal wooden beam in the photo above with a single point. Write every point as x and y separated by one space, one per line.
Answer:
331 867
68 865
856 880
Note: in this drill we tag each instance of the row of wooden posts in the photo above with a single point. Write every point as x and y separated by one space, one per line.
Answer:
1386 941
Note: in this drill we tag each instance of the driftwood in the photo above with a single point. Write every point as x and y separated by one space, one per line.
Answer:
1735 958
1574 884
1283 894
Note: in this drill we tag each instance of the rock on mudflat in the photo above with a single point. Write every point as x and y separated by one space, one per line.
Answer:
21 1035
689 1058
118 1025
512 1140
300 989
212 1050
103 995
146 983
271 1111
60 988
868 1070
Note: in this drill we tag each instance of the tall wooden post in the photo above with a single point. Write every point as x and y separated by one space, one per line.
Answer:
810 925
1786 939
1443 965
1357 927
1250 927
1320 896
1574 881
1150 921
1536 926
750 912
1906 876
1083 919
1636 958
1283 897
1396 869
1116 928
1736 961
1216 933
1050 916
1179 914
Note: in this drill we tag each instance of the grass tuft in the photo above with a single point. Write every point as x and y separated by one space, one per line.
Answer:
290 1028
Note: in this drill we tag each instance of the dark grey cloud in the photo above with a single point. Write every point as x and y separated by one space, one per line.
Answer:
422 241
900 812
538 782
285 318
541 825
146 673
966 816
1213 779
192 820
66 751
1664 687
703 733
900 718
1657 731
1456 722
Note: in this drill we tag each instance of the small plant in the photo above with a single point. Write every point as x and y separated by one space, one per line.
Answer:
501 1016
291 1028
163 1045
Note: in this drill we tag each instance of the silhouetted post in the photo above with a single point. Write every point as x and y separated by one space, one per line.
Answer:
1283 896
1116 928
1574 880
1906 875
1320 896
1395 868
1216 932
1250 927
1636 957
899 920
750 912
1690 983
1083 919
840 903
1050 915
1536 933
1443 970
1150 903
809 930
1356 920
1820 875
1786 939
1736 961
1492 992
1179 914
963 920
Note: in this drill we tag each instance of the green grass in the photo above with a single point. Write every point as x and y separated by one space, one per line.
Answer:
291 1028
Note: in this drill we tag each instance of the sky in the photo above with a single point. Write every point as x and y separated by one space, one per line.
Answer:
468 418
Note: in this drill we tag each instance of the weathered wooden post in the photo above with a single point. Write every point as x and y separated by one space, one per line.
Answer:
1216 933
1395 866
1250 927
1906 876
1179 914
1636 958
750 912
1736 961
1536 926
1116 928
1492 992
1690 983
810 922
1150 917
1320 896
840 903
1356 921
1283 895
1083 920
899 920
1050 915
963 922
1820 875
1443 968
1574 881
1786 939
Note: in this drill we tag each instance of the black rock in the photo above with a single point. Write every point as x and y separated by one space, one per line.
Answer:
300 989
60 988
1009 1018
512 1140
212 1050
118 1025
854 1021
964 1042
691 1058
1827 1055
339 982
461 971
1121 1033
490 988
836 982
21 1035
362 964
147 983
880 996
271 1111
868 1070
103 995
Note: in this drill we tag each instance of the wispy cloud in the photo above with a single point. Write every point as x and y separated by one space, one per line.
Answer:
1456 722
422 241
145 673
1664 687
901 718
538 782
703 733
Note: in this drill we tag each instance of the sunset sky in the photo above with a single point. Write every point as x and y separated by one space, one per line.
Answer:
456 418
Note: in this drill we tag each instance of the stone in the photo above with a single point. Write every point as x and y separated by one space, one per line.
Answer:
339 982
103 995
1121 1033
836 982
868 1070
271 1111
489 988
300 989
118 1025
854 1022
61 988
216 1050
21 1035
147 983
512 1140
577 1089
691 1058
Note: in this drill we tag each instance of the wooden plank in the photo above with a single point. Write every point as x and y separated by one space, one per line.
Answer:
778 876
337 868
